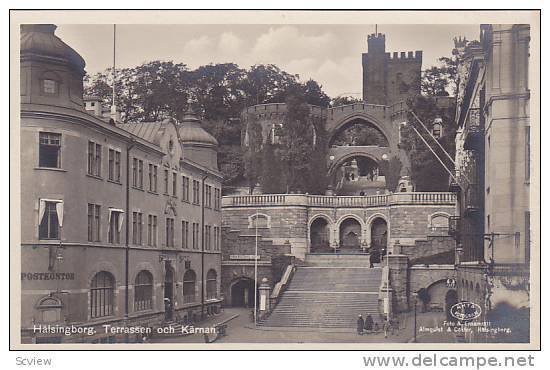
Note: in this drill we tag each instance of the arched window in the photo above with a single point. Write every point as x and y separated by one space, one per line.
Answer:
49 83
211 285
49 309
439 221
189 286
260 221
143 291
102 295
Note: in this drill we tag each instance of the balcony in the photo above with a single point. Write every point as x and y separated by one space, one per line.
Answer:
472 202
327 201
473 130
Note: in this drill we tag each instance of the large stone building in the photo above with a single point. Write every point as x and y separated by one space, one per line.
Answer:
121 222
330 240
493 161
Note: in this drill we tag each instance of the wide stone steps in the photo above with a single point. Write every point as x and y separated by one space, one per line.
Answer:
328 297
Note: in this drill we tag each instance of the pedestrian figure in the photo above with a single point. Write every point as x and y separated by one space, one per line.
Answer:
360 325
372 258
369 322
386 327
376 327
394 327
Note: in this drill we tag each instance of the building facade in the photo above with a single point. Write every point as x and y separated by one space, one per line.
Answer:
122 222
493 161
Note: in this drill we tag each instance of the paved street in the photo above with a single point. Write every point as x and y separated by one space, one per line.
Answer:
242 330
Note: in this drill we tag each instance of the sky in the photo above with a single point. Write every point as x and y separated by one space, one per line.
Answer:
329 54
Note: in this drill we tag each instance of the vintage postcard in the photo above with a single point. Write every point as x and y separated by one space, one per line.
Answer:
209 179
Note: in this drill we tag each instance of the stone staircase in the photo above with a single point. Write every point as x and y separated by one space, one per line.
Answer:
329 291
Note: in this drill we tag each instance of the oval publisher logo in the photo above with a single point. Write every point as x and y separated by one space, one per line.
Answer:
465 310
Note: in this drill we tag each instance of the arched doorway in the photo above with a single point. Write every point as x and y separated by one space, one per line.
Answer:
350 235
242 293
438 295
378 238
169 292
319 236
357 174
451 298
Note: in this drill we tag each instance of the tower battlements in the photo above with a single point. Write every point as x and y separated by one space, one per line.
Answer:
405 56
389 78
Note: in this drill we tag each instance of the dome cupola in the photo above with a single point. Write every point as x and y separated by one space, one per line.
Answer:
51 71
197 144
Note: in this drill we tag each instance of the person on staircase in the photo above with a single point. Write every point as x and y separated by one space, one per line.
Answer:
360 325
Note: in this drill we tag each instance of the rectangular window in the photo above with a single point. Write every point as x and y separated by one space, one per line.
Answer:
169 232
208 196
216 238
111 164
49 222
94 159
216 198
115 226
140 174
165 181
152 231
49 86
185 234
195 236
134 172
137 228
155 171
150 177
117 166
49 153
185 186
196 192
174 184
94 212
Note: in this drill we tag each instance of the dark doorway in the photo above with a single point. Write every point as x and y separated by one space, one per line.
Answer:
242 293
169 292
451 298
379 235
350 235
319 236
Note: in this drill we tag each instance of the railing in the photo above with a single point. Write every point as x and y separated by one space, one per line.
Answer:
338 201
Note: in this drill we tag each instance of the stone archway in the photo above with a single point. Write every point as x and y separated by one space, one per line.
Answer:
319 235
242 292
350 232
378 238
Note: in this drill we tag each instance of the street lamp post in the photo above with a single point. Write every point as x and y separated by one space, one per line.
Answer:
415 303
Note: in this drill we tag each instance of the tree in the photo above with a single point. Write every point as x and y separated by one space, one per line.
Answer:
344 100
441 80
392 172
427 172
272 180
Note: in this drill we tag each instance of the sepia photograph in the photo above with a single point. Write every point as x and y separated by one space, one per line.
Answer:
354 179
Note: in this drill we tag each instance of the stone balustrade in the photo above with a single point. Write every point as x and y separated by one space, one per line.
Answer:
263 200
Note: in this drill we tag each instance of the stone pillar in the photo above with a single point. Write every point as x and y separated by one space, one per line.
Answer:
398 264
265 293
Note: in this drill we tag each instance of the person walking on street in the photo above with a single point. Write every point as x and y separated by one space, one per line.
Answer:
360 325
369 322
386 327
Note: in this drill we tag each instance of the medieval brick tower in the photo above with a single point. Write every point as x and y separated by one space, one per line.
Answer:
389 78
